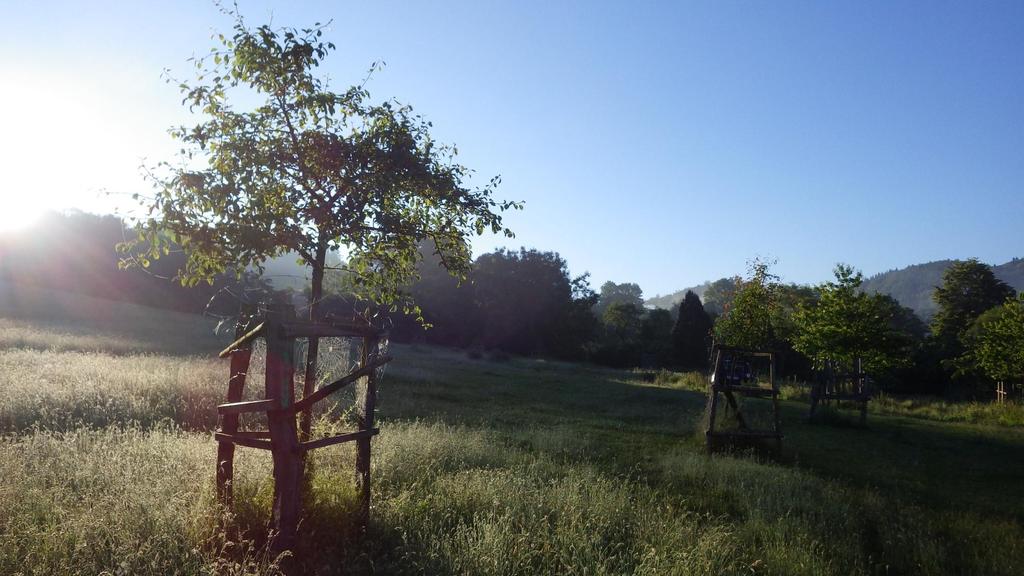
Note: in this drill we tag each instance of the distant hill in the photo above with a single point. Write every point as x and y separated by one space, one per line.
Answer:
913 285
669 300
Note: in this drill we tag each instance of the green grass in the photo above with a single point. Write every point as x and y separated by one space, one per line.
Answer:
482 467
1010 413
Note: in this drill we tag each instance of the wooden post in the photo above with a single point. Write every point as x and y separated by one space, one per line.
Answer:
862 392
308 385
284 442
713 400
777 424
229 422
815 395
366 400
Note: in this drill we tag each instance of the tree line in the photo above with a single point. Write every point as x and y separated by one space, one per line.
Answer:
526 302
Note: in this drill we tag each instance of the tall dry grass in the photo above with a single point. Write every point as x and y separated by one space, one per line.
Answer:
514 467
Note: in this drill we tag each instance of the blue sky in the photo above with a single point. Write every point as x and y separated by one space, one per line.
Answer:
657 143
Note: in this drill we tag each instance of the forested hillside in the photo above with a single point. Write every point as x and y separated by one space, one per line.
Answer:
669 300
913 285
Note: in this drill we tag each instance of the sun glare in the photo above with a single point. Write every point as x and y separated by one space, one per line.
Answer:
65 144
18 212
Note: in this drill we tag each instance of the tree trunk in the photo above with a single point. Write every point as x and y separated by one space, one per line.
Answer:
316 293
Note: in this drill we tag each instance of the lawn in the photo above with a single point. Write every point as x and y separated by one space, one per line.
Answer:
483 466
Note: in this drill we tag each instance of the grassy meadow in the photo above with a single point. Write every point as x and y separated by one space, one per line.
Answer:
483 466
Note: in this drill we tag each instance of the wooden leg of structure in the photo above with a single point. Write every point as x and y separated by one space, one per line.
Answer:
306 414
283 433
229 422
366 399
308 384
776 413
712 408
815 395
860 385
736 410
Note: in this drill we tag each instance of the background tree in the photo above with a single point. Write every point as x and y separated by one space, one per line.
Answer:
522 302
307 170
446 306
996 341
625 293
522 298
691 334
620 342
845 324
718 295
969 288
623 320
656 336
575 327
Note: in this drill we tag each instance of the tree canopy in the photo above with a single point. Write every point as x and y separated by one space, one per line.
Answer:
754 318
996 341
969 288
845 323
692 334
527 302
625 293
306 170
718 295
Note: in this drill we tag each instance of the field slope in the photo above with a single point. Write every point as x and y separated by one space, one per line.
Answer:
486 466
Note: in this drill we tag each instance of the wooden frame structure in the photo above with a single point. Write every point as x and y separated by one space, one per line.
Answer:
832 383
1008 391
730 377
280 329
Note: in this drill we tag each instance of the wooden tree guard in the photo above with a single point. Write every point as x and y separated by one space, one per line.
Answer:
729 378
1000 392
832 383
280 329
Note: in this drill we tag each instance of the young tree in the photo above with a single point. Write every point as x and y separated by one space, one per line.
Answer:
996 341
845 324
755 318
307 170
692 334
